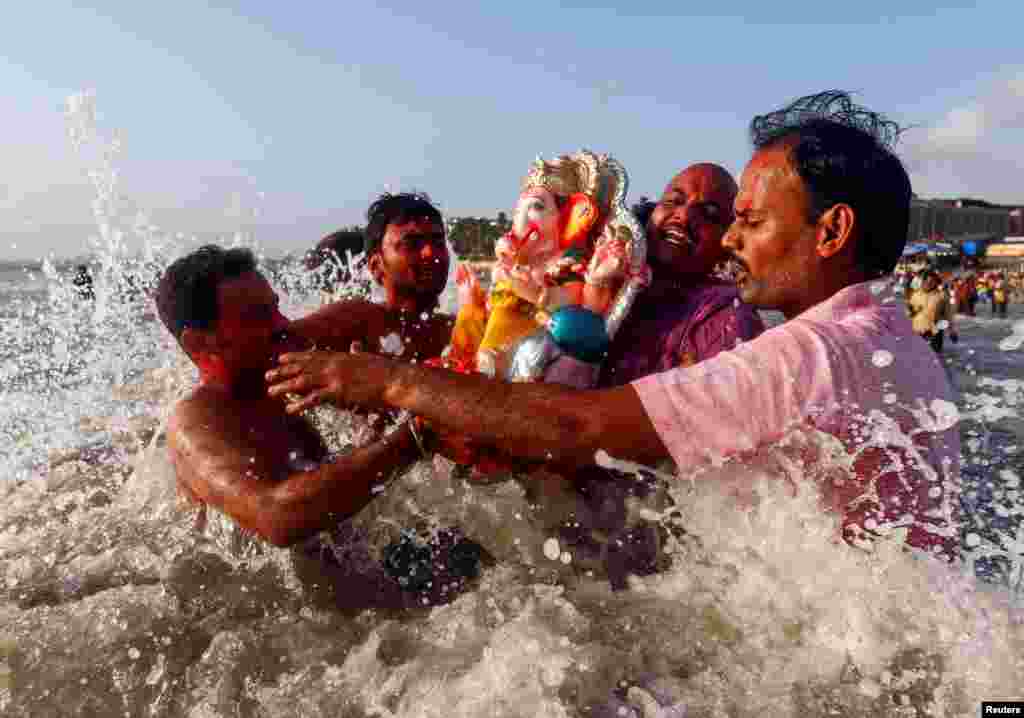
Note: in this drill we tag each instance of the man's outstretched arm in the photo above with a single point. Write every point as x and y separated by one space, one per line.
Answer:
541 422
283 506
336 325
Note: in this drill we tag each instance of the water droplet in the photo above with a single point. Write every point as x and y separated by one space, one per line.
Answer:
551 549
392 344
882 358
946 414
1012 342
1010 477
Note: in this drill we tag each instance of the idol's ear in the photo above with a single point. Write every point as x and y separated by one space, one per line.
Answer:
579 216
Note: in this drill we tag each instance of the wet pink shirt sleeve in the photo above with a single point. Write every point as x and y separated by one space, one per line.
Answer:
736 400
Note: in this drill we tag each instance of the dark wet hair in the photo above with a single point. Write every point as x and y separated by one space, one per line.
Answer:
643 210
843 153
340 243
186 296
395 208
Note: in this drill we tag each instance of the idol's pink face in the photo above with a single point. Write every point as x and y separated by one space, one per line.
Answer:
535 224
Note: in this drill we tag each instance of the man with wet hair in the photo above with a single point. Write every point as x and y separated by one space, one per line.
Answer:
330 260
238 451
686 315
234 448
821 215
407 256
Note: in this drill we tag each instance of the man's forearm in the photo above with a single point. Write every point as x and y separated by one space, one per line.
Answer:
310 501
542 422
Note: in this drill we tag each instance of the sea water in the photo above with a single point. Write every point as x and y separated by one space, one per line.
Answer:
117 599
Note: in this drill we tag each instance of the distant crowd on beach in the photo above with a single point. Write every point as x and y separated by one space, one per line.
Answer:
934 298
966 288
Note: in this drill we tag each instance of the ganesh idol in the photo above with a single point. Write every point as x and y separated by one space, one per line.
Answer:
563 281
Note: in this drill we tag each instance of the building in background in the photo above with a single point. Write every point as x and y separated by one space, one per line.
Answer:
1017 222
977 230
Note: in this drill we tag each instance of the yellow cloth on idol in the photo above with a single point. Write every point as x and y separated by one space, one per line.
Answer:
468 332
511 318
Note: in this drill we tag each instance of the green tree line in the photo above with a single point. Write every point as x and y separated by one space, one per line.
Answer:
473 238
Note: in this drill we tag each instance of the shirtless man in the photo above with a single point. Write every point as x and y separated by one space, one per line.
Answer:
237 450
407 255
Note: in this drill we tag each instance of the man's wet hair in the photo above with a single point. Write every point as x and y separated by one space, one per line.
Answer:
395 208
843 153
339 243
643 210
186 296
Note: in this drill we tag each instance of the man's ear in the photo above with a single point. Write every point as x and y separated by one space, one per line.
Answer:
376 266
196 342
835 230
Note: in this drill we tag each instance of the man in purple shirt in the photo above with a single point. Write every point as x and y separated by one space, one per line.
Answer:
822 214
686 315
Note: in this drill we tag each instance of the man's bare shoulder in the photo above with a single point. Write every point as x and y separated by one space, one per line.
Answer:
346 311
337 324
200 413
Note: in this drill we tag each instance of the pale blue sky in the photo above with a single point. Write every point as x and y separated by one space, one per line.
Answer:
289 118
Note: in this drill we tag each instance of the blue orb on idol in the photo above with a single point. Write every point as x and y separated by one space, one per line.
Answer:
580 333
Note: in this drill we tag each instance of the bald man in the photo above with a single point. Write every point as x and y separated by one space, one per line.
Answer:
686 315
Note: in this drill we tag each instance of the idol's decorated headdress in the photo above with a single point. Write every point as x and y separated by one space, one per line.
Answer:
566 175
605 181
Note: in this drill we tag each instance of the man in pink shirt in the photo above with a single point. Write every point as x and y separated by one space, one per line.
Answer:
821 215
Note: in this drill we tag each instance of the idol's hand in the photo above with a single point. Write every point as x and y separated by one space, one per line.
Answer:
525 284
609 264
505 254
309 379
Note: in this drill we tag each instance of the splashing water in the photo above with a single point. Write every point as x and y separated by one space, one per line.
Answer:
116 600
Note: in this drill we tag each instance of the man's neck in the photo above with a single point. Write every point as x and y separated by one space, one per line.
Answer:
246 385
824 290
412 305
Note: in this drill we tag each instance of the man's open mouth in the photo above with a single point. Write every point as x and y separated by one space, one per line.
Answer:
680 238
